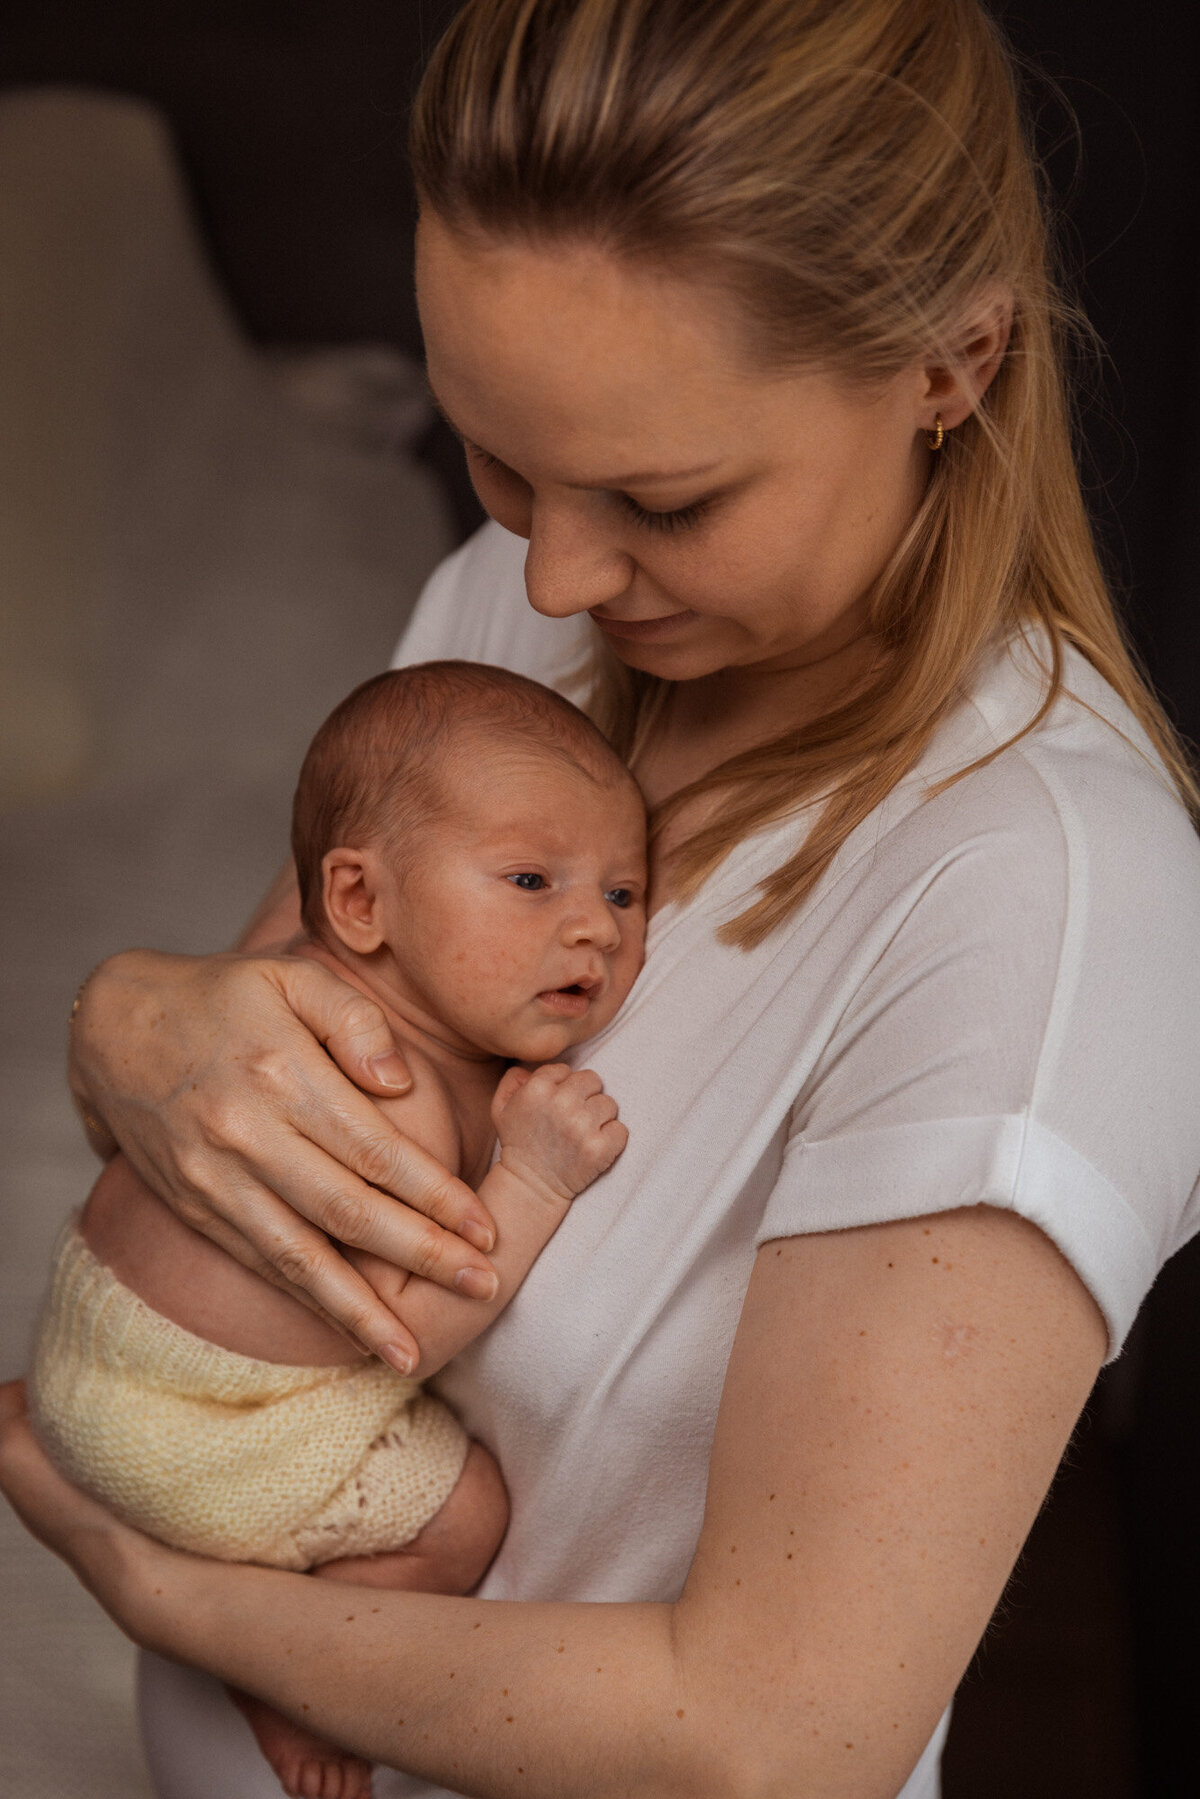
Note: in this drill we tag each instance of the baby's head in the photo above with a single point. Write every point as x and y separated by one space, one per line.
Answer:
474 846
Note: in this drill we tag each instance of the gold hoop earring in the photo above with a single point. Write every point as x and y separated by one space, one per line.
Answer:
937 437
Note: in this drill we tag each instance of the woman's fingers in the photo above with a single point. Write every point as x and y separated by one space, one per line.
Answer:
295 1080
12 1401
273 1237
49 1507
350 1025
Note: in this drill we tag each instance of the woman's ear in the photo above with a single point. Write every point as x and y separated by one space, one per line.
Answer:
953 390
350 890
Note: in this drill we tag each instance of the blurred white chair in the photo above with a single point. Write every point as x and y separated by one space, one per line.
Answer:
163 485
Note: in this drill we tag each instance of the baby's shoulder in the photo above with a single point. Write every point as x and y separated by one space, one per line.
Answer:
427 1113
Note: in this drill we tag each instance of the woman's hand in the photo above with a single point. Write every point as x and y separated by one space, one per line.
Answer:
98 1548
224 1081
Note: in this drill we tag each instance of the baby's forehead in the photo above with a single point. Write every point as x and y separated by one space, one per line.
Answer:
483 760
496 784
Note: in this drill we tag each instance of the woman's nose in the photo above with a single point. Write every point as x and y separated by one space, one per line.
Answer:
571 565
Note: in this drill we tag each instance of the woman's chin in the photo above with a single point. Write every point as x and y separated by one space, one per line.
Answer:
669 660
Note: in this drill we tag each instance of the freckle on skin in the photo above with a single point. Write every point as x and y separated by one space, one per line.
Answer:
679 1714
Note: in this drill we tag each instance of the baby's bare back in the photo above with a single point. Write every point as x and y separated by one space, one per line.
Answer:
195 1283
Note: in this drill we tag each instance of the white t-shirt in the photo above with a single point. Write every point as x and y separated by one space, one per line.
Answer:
993 996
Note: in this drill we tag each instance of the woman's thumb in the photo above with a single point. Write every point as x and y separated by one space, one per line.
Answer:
352 1028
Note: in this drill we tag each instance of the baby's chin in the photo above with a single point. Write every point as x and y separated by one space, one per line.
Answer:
549 1040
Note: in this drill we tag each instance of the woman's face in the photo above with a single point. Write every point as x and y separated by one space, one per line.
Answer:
707 515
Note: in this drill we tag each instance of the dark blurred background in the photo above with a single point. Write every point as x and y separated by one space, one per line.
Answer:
289 119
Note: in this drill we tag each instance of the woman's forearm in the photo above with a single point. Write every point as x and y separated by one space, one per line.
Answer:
276 919
484 1697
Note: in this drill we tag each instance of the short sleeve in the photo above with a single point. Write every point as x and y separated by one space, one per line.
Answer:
1028 1033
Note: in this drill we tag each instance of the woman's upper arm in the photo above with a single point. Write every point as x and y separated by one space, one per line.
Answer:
276 919
896 1404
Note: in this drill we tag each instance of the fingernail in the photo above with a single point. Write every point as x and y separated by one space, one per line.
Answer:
398 1357
479 1235
389 1070
476 1283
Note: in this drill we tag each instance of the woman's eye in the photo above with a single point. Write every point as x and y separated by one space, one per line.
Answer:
483 457
679 520
528 883
619 896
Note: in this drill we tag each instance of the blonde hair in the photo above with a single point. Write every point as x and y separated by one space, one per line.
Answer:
854 175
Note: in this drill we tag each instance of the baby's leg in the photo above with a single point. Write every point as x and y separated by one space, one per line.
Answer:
450 1555
454 1550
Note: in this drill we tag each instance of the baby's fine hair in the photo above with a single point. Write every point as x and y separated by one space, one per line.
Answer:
374 771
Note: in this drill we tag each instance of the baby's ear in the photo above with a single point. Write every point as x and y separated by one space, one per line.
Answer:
350 891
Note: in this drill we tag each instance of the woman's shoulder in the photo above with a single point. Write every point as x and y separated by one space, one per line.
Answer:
474 607
1085 777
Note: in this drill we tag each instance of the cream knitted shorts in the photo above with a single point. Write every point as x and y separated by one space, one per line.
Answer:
222 1454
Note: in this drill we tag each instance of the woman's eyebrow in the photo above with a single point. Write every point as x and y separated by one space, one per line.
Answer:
642 479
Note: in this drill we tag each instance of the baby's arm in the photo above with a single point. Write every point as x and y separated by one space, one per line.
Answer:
558 1131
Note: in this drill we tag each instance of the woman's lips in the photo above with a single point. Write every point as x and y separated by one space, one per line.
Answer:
645 629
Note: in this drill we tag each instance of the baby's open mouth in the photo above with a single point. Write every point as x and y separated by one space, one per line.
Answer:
570 1002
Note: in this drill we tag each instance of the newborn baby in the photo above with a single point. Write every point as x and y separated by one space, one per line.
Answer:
471 853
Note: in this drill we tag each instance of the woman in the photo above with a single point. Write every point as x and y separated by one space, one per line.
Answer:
742 310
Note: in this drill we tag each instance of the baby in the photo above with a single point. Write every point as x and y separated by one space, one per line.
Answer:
471 853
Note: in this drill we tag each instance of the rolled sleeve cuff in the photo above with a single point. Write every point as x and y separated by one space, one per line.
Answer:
914 1170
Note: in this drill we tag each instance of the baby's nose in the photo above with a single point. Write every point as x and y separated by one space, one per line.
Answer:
593 922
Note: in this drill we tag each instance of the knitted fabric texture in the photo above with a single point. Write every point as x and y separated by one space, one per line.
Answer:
223 1454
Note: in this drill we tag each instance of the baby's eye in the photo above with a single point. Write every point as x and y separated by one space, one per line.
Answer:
619 896
528 882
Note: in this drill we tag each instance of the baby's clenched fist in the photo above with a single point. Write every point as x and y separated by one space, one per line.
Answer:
558 1129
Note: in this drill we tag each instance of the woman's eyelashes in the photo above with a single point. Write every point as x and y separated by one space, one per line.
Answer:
680 518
